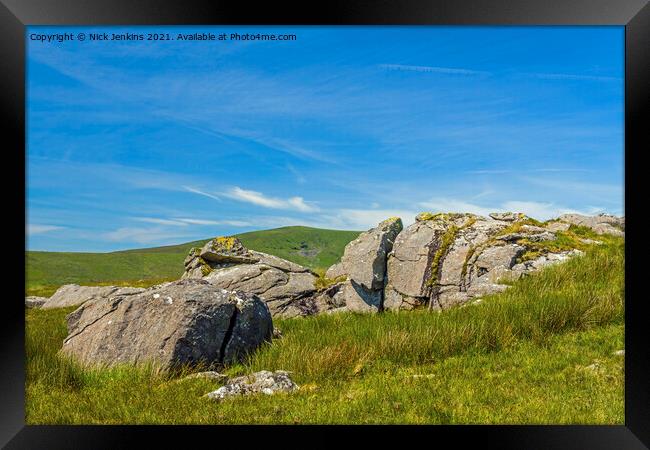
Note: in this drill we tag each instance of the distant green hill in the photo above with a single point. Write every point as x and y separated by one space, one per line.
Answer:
46 271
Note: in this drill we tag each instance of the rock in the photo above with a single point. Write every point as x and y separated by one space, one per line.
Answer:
410 260
440 240
34 302
619 353
506 216
557 226
359 299
531 233
177 323
286 287
331 298
502 256
448 259
264 382
335 271
395 300
601 224
552 259
364 259
363 265
224 250
73 294
540 237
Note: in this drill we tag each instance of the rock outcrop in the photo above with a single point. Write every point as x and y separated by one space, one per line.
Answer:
74 295
363 267
286 287
439 261
34 302
172 324
263 382
601 224
447 259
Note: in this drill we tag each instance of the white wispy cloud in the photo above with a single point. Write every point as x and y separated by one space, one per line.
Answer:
188 221
200 192
432 69
234 223
158 221
258 198
569 76
606 189
33 228
502 171
144 235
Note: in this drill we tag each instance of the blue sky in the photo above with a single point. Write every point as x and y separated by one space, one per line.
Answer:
138 144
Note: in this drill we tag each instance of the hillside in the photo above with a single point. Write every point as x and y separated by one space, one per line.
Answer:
546 351
311 247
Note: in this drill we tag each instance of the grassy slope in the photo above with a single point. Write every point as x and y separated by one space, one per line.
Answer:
46 271
518 357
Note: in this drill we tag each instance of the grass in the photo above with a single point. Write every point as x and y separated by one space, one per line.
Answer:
47 271
521 356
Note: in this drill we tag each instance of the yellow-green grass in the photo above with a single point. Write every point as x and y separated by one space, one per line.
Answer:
541 352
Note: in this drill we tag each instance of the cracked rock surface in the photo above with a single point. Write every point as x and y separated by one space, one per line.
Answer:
73 294
181 322
224 262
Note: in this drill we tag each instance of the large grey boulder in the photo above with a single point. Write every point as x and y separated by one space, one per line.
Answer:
431 253
364 259
224 262
74 295
601 224
363 265
172 324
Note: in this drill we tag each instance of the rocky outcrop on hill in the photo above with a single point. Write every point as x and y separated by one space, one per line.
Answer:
286 287
439 261
73 294
176 323
447 259
601 224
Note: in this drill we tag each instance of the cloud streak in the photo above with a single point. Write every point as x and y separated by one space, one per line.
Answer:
33 229
568 76
259 199
182 222
200 192
432 69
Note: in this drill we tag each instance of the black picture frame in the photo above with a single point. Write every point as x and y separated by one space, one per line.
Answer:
633 14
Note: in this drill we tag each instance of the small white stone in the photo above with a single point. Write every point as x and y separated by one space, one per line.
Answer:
156 295
619 352
169 300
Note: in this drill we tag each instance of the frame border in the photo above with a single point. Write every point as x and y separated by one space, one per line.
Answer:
15 15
